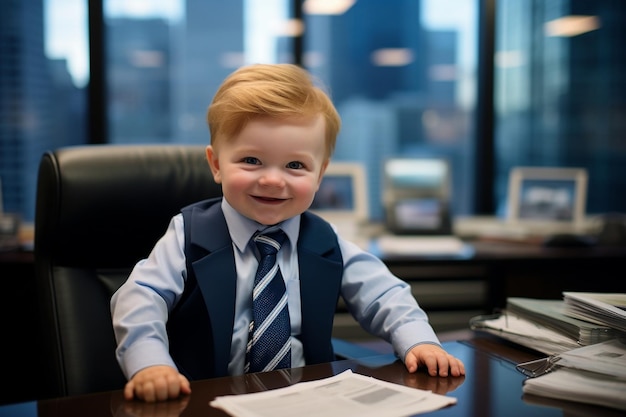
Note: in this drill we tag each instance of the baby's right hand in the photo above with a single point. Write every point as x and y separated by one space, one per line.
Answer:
157 383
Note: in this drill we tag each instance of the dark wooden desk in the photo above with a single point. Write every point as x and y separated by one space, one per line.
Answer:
492 387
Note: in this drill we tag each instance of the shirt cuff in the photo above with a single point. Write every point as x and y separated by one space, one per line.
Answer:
411 335
144 354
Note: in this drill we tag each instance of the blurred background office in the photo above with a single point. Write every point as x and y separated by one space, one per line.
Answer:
487 84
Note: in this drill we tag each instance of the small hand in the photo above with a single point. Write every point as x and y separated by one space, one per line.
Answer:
436 360
157 383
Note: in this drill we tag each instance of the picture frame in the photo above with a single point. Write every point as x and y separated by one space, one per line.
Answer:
342 194
417 196
550 198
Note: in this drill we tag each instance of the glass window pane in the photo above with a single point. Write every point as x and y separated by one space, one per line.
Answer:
165 60
43 73
560 77
403 76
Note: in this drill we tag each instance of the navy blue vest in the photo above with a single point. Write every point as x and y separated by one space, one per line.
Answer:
200 326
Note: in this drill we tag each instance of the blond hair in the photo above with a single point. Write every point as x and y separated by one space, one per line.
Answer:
277 91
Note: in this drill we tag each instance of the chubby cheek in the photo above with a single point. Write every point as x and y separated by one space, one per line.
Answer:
305 191
235 183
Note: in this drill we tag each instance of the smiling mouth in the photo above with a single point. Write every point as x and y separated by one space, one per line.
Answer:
268 199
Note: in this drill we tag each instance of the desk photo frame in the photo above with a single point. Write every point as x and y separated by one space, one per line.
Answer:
547 197
416 197
343 193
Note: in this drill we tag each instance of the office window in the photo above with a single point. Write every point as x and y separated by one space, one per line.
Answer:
43 73
560 82
402 73
403 77
165 60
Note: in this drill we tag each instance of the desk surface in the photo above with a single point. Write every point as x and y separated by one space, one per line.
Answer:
492 387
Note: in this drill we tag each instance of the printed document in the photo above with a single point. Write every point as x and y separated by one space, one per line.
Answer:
607 309
579 386
524 332
344 395
606 358
594 374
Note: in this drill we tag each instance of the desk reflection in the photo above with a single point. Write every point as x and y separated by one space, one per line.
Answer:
386 367
438 385
492 387
173 408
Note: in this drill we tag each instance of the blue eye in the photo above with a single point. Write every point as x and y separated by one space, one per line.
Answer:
251 160
295 165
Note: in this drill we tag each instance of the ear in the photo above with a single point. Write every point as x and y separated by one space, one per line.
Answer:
322 171
214 163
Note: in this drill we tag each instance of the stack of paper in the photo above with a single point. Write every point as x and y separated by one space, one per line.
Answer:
551 314
555 326
524 332
608 309
594 374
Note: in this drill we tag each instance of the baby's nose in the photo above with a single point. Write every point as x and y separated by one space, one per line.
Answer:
272 177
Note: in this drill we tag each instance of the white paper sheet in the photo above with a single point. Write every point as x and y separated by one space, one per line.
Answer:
606 358
607 309
579 386
344 395
526 333
594 374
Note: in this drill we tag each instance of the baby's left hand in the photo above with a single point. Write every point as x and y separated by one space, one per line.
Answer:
436 359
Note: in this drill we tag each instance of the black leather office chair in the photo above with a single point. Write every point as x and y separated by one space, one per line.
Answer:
99 210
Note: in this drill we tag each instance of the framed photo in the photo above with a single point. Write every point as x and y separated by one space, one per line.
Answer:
547 196
417 195
343 193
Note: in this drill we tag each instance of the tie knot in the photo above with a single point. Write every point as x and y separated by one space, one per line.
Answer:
269 243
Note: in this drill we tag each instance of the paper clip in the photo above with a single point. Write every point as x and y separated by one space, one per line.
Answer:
538 367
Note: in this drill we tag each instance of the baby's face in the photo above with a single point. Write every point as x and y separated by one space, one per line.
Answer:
272 169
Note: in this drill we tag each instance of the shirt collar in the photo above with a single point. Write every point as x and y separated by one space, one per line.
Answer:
241 228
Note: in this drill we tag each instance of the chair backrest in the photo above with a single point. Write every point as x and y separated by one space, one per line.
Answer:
99 210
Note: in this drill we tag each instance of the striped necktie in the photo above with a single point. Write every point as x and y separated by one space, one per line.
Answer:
270 330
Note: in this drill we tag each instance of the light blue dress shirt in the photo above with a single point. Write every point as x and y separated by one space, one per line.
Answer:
380 302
